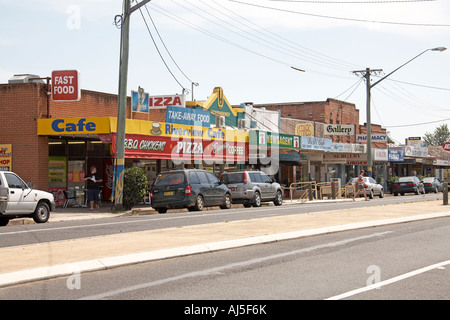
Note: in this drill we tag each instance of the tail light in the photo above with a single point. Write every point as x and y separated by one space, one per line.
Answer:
410 184
427 184
151 194
395 185
245 178
187 191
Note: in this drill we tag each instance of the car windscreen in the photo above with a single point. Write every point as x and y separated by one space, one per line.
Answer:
406 179
429 180
169 179
235 177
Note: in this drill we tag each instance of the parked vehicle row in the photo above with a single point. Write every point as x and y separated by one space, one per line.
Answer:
412 184
196 189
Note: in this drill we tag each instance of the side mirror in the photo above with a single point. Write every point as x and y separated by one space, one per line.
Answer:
30 184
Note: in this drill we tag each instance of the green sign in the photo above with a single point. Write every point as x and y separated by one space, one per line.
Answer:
271 139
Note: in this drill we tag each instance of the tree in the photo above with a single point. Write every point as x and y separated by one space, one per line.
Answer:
440 136
134 183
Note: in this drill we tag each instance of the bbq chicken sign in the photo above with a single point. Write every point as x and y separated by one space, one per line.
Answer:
65 85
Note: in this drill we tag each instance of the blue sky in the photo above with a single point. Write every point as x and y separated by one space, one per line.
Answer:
247 50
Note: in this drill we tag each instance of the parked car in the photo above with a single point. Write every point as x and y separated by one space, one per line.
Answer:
251 188
373 187
432 184
410 184
193 189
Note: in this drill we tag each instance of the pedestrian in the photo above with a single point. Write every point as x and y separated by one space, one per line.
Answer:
94 181
360 185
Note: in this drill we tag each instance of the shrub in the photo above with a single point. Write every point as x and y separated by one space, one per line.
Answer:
134 183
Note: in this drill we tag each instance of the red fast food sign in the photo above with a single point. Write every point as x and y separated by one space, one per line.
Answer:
446 146
65 85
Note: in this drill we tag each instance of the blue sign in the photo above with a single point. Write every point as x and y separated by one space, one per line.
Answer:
396 155
314 143
191 117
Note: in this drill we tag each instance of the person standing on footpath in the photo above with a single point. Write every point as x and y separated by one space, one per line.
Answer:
360 185
94 181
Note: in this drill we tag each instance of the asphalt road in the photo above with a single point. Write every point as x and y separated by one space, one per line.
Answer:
406 261
40 233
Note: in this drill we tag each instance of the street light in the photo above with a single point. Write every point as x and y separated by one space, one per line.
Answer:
369 86
192 88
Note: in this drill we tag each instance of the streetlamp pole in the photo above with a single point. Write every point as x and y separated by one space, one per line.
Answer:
366 74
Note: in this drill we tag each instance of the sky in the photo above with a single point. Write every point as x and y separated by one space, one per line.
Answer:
248 47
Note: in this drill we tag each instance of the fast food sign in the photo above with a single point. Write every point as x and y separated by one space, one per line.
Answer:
65 85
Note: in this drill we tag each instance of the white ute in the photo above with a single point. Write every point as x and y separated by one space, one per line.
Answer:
17 199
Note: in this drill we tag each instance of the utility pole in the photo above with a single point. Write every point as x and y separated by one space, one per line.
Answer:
366 74
122 101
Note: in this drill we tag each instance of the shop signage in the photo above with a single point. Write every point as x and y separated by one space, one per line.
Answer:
304 129
380 154
314 143
358 148
167 100
271 139
73 126
414 151
159 147
362 138
139 101
218 105
396 155
446 146
346 158
6 157
65 85
187 116
339 129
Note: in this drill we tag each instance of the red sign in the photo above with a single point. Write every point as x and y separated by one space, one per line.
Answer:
179 149
446 146
65 85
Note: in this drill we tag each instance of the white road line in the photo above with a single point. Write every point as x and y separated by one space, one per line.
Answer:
215 270
389 281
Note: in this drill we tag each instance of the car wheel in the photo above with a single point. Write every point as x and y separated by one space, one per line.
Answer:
257 199
416 191
42 213
371 194
436 190
226 202
161 210
279 199
381 193
199 204
3 221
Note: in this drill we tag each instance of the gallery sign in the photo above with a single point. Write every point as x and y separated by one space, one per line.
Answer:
339 129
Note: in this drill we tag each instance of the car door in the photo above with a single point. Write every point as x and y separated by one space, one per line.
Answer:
256 183
375 186
266 187
20 197
217 192
205 188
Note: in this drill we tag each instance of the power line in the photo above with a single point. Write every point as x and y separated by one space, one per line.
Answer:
342 18
418 124
352 2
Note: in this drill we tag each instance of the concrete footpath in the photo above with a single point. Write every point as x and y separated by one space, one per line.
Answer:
64 258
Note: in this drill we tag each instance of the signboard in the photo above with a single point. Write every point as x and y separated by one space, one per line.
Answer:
396 155
187 116
446 146
304 129
362 138
73 126
313 143
180 149
155 102
6 157
139 101
339 129
65 85
345 158
270 139
380 154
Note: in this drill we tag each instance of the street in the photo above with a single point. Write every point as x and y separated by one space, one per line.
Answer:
398 261
333 266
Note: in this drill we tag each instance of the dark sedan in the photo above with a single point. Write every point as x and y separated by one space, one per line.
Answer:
410 184
432 184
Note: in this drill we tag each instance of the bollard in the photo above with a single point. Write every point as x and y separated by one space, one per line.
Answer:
445 193
333 192
310 195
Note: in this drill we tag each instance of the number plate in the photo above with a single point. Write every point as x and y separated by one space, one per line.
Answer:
168 193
